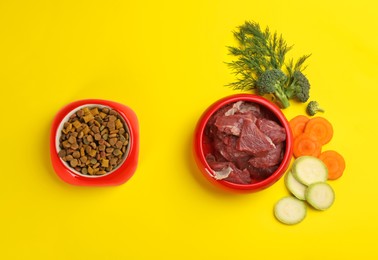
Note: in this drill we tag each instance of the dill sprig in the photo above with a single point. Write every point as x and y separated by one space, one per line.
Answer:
258 51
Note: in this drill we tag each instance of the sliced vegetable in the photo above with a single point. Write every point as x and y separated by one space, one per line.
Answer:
334 162
319 128
290 210
309 169
297 124
320 195
305 144
294 186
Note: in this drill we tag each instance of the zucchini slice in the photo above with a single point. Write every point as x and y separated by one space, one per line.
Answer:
290 210
309 169
320 195
295 187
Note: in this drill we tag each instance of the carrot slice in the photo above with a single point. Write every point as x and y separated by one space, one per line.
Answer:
297 124
320 128
305 144
335 163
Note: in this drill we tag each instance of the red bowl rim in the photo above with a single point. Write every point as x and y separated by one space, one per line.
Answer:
123 172
198 139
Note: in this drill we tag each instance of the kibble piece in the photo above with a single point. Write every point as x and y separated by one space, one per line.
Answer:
122 138
104 131
66 144
95 129
83 159
62 153
104 163
67 128
86 110
76 124
111 125
112 118
76 154
113 112
90 138
74 146
109 150
74 162
101 147
119 144
112 135
84 170
90 170
105 110
88 149
72 139
69 158
88 118
94 111
86 129
80 113
82 151
97 136
121 131
113 161
97 123
80 135
103 115
118 124
117 152
93 153
112 141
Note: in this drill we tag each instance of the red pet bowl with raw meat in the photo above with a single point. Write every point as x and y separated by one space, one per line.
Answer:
243 142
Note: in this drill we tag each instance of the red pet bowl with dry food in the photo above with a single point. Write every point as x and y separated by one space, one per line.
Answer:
243 142
95 142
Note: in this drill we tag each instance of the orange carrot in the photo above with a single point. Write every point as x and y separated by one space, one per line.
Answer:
319 128
334 162
305 144
297 124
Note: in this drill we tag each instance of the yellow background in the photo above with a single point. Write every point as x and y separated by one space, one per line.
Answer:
165 60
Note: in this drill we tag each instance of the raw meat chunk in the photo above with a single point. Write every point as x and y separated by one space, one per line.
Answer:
252 140
272 129
273 157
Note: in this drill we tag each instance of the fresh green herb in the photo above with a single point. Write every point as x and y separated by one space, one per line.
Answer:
260 65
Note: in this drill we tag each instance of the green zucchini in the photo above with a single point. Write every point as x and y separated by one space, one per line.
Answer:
309 169
290 210
320 195
295 187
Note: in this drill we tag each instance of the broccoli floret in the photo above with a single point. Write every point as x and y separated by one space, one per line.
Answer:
313 107
298 88
272 82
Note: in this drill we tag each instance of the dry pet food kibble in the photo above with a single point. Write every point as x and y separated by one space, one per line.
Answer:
94 140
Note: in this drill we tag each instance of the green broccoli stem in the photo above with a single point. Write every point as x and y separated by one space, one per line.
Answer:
281 97
290 90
